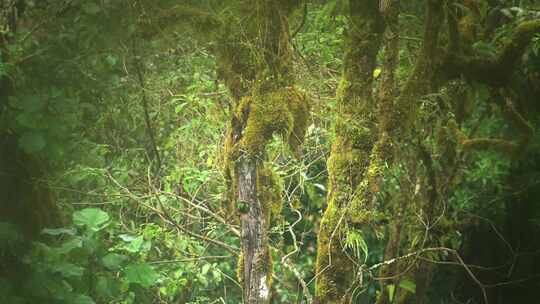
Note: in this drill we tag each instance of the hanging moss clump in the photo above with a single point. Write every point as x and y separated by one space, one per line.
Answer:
282 111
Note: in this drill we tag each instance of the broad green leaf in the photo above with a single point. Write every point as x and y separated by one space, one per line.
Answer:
30 104
135 245
8 232
91 8
142 274
81 299
93 218
321 187
58 231
32 142
40 285
179 107
69 270
205 268
391 289
113 261
111 60
127 237
107 287
69 245
408 285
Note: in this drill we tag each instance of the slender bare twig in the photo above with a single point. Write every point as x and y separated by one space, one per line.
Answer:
166 217
144 99
433 249
201 258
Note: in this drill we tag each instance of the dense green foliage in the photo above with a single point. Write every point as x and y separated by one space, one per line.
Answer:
116 171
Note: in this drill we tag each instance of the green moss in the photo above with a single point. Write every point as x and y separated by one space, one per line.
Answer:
347 164
345 171
240 268
500 145
349 158
354 123
458 135
228 158
346 167
299 107
332 263
468 26
363 210
520 40
235 66
266 266
255 67
269 191
283 111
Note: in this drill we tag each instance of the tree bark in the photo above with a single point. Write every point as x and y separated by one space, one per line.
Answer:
254 235
265 103
349 157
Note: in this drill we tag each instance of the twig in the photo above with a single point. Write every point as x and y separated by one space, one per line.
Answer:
211 257
302 23
452 251
149 128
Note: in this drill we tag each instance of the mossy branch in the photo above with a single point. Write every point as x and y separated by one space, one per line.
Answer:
518 120
495 71
204 24
420 81
453 28
501 145
382 151
482 144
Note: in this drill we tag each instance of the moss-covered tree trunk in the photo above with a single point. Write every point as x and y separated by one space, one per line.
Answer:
255 252
350 152
397 125
383 151
265 103
364 144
